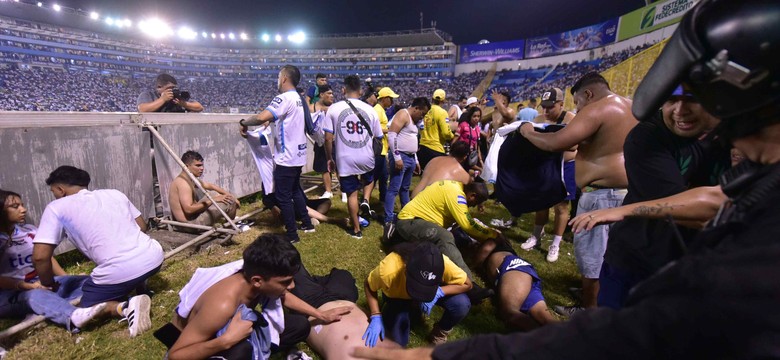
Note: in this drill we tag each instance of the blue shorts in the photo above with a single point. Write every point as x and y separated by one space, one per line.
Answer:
352 183
569 180
514 263
96 294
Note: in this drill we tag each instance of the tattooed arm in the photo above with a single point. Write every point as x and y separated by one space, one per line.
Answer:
693 207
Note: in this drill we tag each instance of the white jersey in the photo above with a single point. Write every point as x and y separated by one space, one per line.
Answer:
261 143
101 224
353 146
16 259
289 133
204 278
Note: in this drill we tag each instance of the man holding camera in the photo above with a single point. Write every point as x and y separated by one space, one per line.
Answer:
166 97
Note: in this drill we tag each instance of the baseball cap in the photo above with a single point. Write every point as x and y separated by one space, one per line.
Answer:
471 100
386 92
439 94
551 96
683 91
424 270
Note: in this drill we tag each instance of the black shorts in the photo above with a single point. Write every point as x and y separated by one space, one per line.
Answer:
318 290
320 159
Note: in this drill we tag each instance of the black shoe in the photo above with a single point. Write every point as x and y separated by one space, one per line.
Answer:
388 233
478 293
356 235
306 229
365 210
293 240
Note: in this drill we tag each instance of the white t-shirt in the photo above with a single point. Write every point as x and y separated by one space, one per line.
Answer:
289 133
16 259
353 145
261 145
101 224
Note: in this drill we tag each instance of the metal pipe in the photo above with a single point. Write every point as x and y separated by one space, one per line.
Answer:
196 226
192 177
29 322
189 243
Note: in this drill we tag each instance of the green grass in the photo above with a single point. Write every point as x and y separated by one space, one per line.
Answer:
328 247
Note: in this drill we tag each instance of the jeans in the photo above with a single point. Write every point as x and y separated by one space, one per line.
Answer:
396 319
292 200
590 245
53 306
400 181
380 175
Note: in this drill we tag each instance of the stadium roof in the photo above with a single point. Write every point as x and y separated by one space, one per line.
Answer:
468 21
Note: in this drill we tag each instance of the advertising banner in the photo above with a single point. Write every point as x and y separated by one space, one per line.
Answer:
653 17
496 51
584 38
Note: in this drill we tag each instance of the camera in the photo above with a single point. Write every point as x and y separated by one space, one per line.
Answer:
180 95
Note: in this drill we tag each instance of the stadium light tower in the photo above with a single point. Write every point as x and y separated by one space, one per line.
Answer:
222 36
56 7
109 21
278 38
40 4
213 35
127 22
155 28
244 36
265 38
94 15
232 36
297 38
204 34
187 33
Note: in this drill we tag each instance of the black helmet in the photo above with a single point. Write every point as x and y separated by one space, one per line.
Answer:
727 52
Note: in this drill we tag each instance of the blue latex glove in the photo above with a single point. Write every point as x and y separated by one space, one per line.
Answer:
428 306
375 330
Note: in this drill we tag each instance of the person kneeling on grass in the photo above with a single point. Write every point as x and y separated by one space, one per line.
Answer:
21 292
413 278
109 230
216 315
337 289
517 284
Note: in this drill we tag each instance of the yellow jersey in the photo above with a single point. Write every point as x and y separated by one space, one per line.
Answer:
390 276
444 203
437 130
380 112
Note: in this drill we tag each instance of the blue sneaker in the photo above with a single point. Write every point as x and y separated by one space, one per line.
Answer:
363 222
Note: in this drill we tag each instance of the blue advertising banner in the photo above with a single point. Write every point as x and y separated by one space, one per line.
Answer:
497 51
584 38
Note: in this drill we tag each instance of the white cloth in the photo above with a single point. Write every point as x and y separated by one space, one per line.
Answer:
204 278
16 259
261 145
101 224
353 145
318 118
289 133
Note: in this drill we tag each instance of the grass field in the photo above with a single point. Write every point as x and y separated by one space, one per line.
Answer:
328 247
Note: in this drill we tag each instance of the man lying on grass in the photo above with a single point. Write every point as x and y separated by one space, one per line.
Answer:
217 316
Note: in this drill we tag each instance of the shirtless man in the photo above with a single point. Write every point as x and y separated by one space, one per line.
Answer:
599 130
216 298
187 202
446 168
502 113
553 113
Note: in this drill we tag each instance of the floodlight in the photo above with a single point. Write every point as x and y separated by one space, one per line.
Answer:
155 28
40 4
204 35
94 16
265 37
127 22
222 36
213 35
232 36
297 38
109 21
56 7
187 33
278 38
243 36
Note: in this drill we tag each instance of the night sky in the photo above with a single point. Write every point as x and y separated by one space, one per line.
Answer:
467 21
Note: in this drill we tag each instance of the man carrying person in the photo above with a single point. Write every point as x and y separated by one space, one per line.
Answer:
402 137
216 315
354 144
318 111
108 230
188 203
385 98
599 130
164 99
553 113
436 131
288 112
313 93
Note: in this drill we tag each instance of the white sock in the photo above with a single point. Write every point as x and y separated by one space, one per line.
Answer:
556 240
538 231
81 316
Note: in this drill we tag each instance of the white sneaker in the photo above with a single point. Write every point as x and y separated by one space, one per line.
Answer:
343 197
137 314
326 195
552 253
81 316
529 244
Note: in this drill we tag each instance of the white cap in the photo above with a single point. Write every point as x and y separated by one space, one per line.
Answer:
471 100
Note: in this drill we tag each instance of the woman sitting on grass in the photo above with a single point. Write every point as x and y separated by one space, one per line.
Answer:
21 293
